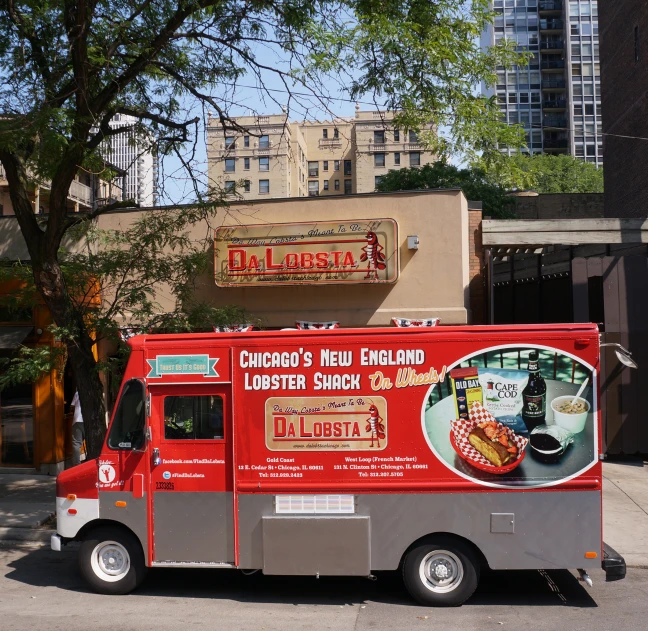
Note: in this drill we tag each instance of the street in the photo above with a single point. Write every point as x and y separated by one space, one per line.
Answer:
41 589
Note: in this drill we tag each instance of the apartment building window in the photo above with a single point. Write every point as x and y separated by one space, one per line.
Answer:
379 137
229 142
246 164
397 159
313 188
377 180
347 168
336 133
348 187
264 142
396 135
230 165
379 159
415 158
336 185
313 169
325 133
246 186
246 141
325 165
326 185
230 186
413 137
264 164
336 165
264 186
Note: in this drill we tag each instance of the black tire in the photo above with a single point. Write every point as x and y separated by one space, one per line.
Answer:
426 563
111 560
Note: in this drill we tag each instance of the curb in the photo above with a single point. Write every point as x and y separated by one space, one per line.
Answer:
22 535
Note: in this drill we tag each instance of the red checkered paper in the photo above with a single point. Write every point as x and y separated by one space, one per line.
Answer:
461 428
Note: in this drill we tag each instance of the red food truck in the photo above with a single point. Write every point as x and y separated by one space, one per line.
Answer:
436 451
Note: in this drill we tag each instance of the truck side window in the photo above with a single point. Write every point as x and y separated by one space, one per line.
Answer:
193 417
127 430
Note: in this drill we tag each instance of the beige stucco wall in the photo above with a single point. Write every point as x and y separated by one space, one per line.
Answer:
433 279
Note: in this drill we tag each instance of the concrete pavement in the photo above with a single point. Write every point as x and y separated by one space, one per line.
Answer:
27 506
41 589
625 510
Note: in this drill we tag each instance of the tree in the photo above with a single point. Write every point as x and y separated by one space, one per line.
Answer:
112 277
68 66
474 182
547 173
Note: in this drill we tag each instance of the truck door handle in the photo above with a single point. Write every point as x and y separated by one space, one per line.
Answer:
156 457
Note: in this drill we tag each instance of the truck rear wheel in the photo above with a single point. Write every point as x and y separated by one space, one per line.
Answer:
441 572
112 561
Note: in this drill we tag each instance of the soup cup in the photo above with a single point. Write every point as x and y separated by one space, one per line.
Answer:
574 423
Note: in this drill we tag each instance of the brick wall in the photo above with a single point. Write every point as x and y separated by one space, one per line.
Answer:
477 284
624 89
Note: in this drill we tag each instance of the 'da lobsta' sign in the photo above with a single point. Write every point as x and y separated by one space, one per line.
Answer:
361 251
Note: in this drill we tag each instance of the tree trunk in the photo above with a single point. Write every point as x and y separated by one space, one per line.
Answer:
51 286
43 249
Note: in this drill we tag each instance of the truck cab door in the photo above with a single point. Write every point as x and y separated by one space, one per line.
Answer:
191 474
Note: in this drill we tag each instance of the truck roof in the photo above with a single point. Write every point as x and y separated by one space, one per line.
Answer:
139 342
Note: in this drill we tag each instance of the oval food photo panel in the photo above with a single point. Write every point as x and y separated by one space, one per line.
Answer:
514 415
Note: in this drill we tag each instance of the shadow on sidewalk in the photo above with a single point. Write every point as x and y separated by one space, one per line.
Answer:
41 567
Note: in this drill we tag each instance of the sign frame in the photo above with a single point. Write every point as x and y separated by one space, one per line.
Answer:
327 267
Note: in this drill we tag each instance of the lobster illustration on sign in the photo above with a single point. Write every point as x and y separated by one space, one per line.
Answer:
373 254
375 425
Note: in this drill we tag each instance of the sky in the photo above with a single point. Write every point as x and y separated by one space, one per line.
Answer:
248 98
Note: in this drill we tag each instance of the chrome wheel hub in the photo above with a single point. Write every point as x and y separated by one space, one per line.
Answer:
110 561
441 571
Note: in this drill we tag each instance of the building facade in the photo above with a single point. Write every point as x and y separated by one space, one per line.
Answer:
624 76
557 96
275 158
132 153
87 191
432 254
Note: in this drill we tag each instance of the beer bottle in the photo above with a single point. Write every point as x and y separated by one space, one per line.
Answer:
534 396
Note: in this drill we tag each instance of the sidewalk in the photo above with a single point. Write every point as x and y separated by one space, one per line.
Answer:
27 504
625 510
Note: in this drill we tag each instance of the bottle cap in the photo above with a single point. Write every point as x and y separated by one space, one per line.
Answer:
533 355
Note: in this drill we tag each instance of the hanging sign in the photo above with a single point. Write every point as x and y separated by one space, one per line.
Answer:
331 252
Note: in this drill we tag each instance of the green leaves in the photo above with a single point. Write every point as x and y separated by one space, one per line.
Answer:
28 365
490 184
474 182
547 173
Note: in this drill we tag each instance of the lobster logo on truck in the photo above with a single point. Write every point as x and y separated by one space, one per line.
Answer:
355 423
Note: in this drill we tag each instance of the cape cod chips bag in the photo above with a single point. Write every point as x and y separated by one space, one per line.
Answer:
503 395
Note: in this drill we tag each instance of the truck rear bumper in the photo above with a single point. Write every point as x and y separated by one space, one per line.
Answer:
613 564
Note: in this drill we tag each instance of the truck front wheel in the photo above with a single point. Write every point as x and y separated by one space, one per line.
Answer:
112 561
441 572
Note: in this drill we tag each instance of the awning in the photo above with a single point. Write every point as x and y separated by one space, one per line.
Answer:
12 336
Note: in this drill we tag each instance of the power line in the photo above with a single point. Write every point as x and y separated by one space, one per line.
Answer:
346 100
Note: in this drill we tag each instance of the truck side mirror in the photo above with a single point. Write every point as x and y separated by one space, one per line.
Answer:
623 354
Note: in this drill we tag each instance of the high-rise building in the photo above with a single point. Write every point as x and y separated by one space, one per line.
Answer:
557 96
624 77
274 157
132 152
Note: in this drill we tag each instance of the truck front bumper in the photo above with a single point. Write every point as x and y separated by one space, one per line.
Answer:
56 542
613 564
